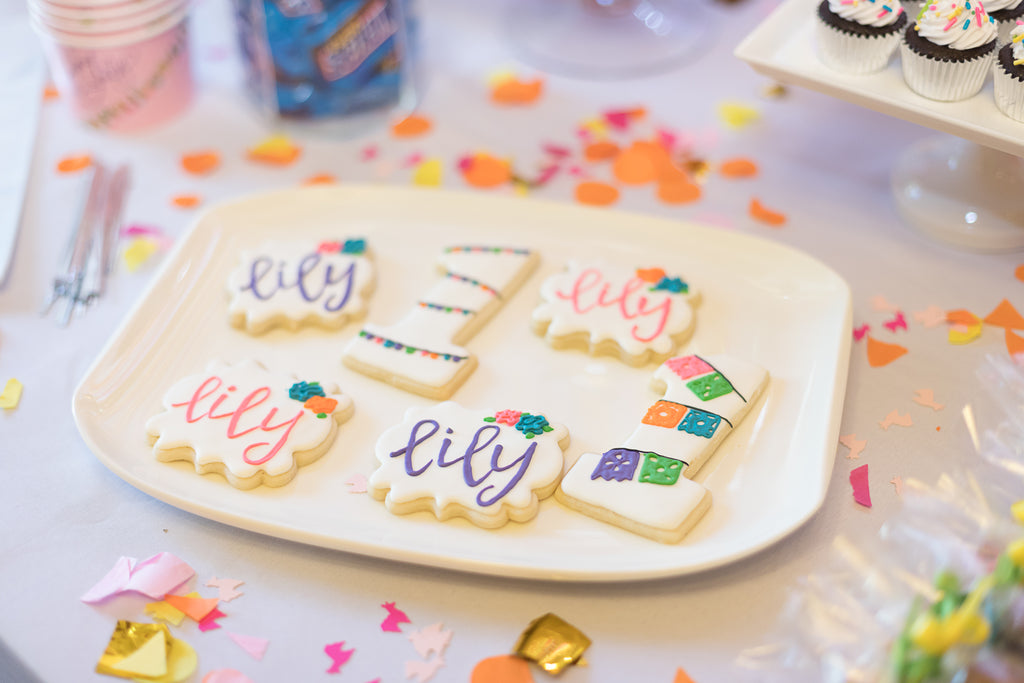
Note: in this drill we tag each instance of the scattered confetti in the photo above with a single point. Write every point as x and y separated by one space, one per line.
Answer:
501 669
880 303
926 398
894 418
73 164
769 217
511 90
596 194
226 676
1005 315
394 618
896 323
209 622
931 316
640 163
153 577
196 608
682 676
50 92
430 639
856 446
138 251
200 163
738 168
320 179
423 671
1014 343
277 150
428 174
859 332
11 395
881 354
254 646
225 588
186 201
154 233
357 483
147 651
600 151
551 642
679 191
164 612
964 334
412 126
338 655
897 483
484 170
859 482
962 316
593 128
621 119
1019 273
736 115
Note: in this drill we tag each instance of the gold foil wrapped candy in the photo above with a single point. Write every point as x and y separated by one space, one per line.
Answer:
553 643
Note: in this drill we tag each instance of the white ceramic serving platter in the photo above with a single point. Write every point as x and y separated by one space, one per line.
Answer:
783 47
761 301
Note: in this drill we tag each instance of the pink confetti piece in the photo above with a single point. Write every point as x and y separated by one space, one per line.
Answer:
557 151
154 577
897 483
894 418
926 398
254 646
931 316
618 120
856 446
859 482
666 139
154 233
880 303
394 618
413 159
369 153
577 172
209 622
430 639
225 588
859 332
423 671
338 656
226 676
546 174
464 163
896 323
357 483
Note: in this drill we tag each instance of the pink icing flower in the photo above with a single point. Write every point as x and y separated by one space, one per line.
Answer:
508 417
329 247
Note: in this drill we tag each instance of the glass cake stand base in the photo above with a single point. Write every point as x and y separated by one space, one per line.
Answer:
607 39
962 193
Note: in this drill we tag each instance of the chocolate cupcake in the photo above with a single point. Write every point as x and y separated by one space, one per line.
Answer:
1006 13
1008 75
948 52
859 36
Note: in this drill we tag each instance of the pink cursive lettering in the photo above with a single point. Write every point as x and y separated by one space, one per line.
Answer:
591 291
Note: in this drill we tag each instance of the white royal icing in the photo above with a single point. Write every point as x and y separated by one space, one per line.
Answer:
463 460
241 417
424 346
1017 41
705 398
614 303
867 12
959 25
292 282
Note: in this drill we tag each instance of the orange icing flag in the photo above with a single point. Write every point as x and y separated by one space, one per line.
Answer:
881 353
1005 315
511 90
412 126
596 194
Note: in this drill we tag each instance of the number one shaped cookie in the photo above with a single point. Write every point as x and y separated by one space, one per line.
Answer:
645 485
422 352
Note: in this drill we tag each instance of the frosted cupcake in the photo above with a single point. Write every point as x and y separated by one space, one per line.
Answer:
1005 13
1008 75
859 36
948 53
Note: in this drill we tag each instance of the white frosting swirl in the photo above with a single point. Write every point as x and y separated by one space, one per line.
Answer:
959 25
996 5
1018 45
867 12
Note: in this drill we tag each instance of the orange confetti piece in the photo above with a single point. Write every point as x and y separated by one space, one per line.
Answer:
50 92
596 194
643 162
320 179
200 163
759 212
881 353
1005 315
962 316
682 676
1019 273
194 608
678 192
738 168
484 170
277 150
501 669
186 201
964 334
514 91
412 126
74 163
1014 342
599 151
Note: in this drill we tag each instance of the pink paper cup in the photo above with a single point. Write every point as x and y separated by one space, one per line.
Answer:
124 82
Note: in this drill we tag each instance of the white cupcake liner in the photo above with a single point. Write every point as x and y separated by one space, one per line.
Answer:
1008 93
855 54
944 81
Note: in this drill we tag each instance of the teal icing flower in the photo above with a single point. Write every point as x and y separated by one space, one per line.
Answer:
672 284
355 247
301 391
532 425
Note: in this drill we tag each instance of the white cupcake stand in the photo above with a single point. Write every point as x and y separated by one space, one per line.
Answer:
967 190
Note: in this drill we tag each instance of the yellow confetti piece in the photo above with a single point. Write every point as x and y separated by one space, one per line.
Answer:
964 334
182 663
11 394
138 252
1017 510
126 640
737 115
428 173
277 149
499 76
164 612
149 659
597 127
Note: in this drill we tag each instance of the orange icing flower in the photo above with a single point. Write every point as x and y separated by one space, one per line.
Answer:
321 404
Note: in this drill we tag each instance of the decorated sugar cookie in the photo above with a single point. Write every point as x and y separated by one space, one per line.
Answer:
300 282
490 467
644 485
422 352
639 315
247 423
